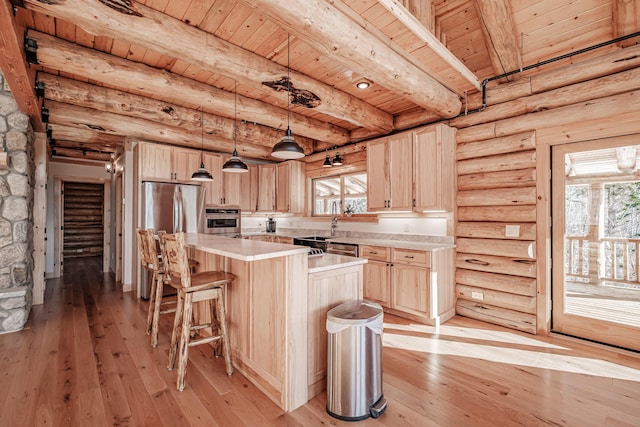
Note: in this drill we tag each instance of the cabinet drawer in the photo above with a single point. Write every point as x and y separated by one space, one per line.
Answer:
408 256
378 253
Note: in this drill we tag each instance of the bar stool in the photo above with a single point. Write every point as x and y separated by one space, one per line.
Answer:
203 286
151 262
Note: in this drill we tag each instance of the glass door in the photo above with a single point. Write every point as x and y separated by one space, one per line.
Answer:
596 238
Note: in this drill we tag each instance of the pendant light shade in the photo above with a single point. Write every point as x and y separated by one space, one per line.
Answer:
235 164
287 148
202 174
327 162
337 160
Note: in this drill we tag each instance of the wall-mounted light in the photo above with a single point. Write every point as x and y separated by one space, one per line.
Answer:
337 159
110 167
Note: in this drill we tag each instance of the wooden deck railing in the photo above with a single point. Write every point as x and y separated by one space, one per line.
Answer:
614 260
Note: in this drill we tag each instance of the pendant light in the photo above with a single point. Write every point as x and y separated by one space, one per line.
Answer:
202 174
235 164
337 160
327 162
287 148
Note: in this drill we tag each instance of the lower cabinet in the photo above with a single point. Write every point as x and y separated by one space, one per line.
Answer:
413 284
327 289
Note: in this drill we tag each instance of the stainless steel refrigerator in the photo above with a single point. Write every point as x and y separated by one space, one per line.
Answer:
172 208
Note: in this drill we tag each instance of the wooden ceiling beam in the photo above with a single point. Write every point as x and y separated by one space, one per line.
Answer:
626 20
116 124
80 154
500 35
17 73
144 26
323 27
114 101
60 55
423 33
68 133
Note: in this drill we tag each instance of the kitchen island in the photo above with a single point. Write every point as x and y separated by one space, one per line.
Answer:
276 309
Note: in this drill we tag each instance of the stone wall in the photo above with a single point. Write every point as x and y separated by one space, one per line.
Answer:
16 214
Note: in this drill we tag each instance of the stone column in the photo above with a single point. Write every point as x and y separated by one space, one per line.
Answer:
16 214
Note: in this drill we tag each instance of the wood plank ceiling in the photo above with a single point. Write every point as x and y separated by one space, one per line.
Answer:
115 69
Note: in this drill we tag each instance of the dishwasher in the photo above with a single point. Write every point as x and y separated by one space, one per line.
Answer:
347 249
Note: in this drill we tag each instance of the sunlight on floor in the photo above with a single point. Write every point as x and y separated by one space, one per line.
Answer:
455 341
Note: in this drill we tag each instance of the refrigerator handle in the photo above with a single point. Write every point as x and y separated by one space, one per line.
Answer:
177 211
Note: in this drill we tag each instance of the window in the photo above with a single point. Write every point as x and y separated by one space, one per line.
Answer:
348 193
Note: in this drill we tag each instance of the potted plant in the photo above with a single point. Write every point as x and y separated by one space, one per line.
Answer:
348 210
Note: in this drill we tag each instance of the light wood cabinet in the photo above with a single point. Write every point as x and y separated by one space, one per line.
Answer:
213 189
160 162
326 289
434 168
266 188
390 184
412 171
290 187
377 274
230 189
414 284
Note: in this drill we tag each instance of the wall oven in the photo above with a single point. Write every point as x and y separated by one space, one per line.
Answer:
222 221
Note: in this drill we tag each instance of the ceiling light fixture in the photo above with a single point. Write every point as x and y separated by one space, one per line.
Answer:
202 174
235 164
287 148
363 84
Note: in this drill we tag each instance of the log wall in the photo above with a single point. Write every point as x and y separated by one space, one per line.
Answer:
503 180
83 219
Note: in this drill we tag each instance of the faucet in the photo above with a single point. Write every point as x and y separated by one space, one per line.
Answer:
334 219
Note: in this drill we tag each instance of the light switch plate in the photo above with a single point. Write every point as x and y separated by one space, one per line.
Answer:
477 295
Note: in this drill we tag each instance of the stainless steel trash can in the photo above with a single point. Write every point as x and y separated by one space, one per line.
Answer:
354 365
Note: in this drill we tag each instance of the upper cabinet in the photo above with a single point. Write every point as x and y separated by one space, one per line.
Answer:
290 187
213 190
167 163
389 173
412 171
434 168
266 188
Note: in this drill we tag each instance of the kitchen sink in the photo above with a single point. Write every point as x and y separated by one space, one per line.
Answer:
313 238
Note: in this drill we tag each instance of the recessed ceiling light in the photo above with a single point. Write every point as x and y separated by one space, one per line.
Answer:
363 84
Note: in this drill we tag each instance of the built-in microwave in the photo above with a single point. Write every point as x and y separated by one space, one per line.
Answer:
222 221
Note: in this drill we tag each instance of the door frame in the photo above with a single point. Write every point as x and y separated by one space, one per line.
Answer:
58 234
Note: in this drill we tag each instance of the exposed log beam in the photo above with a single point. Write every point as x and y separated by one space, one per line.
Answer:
499 34
413 24
123 74
143 26
116 124
626 20
114 101
68 133
423 11
14 67
79 154
322 26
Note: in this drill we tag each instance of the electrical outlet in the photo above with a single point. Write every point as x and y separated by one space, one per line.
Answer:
477 295
512 231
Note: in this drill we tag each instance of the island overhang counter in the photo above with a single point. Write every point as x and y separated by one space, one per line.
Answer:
275 309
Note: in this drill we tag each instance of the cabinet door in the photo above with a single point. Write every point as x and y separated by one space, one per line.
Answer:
267 188
401 172
283 195
377 176
232 187
213 189
155 161
185 163
249 197
410 289
434 168
376 282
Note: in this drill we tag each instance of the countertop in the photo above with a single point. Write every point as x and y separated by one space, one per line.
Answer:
327 262
242 249
391 243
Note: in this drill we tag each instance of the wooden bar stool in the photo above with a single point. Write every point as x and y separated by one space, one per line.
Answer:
150 261
203 286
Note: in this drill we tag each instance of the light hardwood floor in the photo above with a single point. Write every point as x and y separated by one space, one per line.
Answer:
84 360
